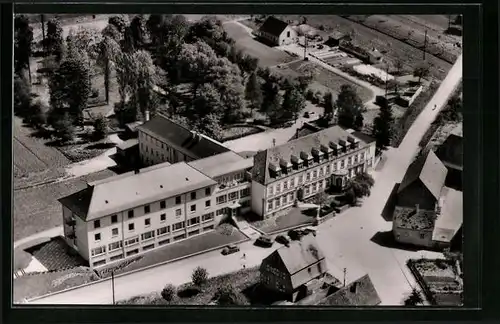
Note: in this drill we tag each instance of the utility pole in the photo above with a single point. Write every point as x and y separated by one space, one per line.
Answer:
274 142
113 285
425 43
345 271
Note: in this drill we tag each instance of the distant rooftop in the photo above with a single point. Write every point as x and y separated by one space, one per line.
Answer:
409 218
361 292
450 219
132 190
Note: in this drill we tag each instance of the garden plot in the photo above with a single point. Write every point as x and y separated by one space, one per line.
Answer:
366 37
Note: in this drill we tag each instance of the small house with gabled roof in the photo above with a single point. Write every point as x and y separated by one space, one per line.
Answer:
277 32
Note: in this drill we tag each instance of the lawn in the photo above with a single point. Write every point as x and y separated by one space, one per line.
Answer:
33 285
85 151
240 280
366 37
36 209
329 79
292 218
267 56
218 238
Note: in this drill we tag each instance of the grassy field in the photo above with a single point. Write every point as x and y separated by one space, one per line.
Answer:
324 79
32 285
366 37
37 209
240 280
267 56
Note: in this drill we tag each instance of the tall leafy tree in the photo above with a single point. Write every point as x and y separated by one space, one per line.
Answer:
138 31
120 22
383 127
55 42
422 70
293 102
253 92
69 86
22 97
23 37
109 50
349 107
329 105
210 126
112 32
143 82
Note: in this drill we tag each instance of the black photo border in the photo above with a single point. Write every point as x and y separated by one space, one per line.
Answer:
480 84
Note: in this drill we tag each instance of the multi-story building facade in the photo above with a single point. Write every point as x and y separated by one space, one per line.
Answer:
301 168
162 140
135 212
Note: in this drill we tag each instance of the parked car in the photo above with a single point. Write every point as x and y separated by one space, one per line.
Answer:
264 241
306 114
230 249
308 230
320 46
282 240
295 234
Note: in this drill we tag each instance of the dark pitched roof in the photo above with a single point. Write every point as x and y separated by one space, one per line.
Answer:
451 152
79 202
300 254
305 144
193 144
273 26
358 293
429 170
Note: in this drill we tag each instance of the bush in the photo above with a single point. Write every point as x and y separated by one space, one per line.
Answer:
100 127
199 276
310 95
227 295
168 292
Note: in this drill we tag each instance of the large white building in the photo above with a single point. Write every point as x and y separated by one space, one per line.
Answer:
148 208
135 212
299 169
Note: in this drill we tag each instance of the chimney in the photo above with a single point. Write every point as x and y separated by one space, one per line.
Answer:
146 115
417 208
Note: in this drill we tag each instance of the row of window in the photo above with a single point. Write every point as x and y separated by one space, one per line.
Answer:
163 205
235 177
280 201
147 223
222 199
353 159
309 176
118 245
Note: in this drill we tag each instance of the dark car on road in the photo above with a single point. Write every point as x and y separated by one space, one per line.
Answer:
264 241
306 114
295 234
308 230
282 240
230 249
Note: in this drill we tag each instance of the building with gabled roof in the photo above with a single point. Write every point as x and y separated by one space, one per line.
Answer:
290 267
451 153
302 167
360 292
163 140
422 182
277 32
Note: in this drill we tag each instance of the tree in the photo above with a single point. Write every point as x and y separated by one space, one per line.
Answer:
206 101
359 186
168 292
414 299
248 63
399 64
293 102
37 116
109 50
199 276
422 70
210 126
101 127
320 199
55 42
144 79
22 96
112 32
88 41
383 127
120 22
329 105
349 107
63 127
69 86
227 295
138 31
253 92
23 37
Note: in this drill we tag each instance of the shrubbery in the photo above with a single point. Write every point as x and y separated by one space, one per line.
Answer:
199 276
168 292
